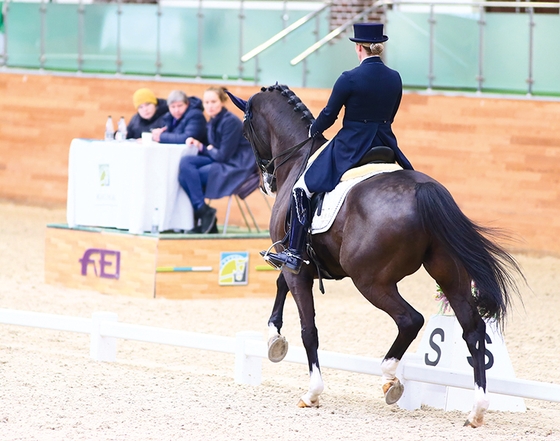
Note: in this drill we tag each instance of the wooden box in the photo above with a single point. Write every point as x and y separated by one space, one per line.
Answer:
174 266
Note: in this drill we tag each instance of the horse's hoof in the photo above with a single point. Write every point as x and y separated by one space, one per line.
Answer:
277 348
302 404
474 422
393 391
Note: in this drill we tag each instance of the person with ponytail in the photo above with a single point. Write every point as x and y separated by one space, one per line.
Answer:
371 94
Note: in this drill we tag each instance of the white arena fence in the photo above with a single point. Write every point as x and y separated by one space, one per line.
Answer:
250 348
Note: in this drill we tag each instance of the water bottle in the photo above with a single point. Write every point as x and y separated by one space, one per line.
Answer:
109 129
121 130
155 221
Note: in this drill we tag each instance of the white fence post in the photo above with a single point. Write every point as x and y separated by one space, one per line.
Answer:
102 348
248 369
412 396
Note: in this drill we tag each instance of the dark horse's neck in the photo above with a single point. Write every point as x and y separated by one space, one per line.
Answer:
288 120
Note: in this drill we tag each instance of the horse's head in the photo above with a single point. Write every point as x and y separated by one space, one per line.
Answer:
275 122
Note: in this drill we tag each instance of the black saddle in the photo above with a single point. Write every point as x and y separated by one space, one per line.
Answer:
379 154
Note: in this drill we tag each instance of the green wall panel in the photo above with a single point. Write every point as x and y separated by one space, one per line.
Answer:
138 39
60 50
456 43
24 35
546 60
407 49
179 36
506 59
100 38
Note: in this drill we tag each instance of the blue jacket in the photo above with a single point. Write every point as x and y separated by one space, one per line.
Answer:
233 157
371 94
137 124
192 123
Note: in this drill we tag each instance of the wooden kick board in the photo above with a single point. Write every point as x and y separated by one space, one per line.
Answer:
114 262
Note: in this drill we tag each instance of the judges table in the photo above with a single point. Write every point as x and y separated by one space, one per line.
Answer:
121 184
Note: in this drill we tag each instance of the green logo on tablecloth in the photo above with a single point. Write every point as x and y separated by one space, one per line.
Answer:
104 175
233 268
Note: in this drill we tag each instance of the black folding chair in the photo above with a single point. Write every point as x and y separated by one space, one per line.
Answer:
240 194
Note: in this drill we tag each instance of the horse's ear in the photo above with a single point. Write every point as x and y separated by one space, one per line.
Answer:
239 103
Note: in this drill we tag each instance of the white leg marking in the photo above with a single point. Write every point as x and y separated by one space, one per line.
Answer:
272 331
389 369
316 387
481 403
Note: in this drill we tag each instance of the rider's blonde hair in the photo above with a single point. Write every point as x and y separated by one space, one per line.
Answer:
373 48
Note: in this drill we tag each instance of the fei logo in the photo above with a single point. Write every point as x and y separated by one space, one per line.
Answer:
106 263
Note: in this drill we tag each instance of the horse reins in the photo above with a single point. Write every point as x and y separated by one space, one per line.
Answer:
265 164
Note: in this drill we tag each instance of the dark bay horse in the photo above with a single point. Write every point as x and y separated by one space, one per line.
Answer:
389 226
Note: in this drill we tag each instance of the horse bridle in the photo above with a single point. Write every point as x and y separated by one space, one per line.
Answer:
268 166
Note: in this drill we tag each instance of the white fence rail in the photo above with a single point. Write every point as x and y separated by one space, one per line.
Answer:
249 349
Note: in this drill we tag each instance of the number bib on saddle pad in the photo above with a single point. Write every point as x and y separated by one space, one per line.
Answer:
334 199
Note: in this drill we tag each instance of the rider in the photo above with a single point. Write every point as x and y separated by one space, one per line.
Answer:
371 94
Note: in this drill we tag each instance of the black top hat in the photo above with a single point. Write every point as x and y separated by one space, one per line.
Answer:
368 33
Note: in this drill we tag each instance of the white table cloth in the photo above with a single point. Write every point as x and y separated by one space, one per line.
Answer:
120 184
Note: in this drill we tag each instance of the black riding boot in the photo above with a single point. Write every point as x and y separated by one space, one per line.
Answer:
292 258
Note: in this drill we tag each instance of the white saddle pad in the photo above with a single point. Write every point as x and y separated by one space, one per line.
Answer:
334 199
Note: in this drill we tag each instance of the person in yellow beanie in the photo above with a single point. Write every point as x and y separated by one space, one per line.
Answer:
150 111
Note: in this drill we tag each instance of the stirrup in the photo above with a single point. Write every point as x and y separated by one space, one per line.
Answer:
285 259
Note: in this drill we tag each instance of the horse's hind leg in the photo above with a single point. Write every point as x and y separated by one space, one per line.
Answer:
456 285
474 333
277 344
408 321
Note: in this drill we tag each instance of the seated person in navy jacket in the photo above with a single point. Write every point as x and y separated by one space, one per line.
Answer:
221 165
185 119
150 113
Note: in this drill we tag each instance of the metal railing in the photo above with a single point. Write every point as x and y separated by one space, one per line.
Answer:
432 4
254 53
199 59
245 18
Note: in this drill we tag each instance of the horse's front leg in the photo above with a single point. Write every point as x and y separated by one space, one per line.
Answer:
277 344
316 385
301 288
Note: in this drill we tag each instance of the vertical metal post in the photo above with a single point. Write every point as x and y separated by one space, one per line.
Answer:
42 57
386 25
481 24
119 13
285 15
158 39
81 11
432 22
304 81
530 80
200 17
240 67
256 70
5 13
317 30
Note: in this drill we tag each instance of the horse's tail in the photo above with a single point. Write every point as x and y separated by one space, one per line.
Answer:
489 265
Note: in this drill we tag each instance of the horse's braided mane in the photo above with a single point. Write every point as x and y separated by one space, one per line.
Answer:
293 99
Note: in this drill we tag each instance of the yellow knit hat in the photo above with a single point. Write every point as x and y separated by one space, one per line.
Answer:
143 96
